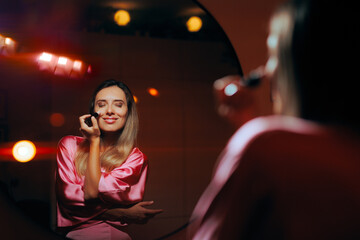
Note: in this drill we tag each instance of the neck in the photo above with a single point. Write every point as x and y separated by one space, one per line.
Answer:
109 139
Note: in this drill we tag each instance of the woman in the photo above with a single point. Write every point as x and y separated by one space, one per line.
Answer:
101 175
296 174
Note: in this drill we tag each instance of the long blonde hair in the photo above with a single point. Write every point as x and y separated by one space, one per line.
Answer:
282 24
115 155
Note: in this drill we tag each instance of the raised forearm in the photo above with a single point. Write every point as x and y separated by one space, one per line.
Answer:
93 172
137 213
115 214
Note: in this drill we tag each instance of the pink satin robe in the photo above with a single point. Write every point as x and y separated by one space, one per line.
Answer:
123 185
283 178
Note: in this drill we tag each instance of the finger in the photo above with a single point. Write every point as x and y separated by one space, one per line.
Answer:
84 116
146 203
83 125
94 122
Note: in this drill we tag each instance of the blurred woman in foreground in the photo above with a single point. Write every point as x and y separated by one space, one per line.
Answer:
295 174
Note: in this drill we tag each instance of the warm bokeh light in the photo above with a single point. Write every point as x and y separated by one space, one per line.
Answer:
24 151
77 65
122 17
135 99
63 66
194 24
7 45
8 41
57 119
46 57
153 92
62 60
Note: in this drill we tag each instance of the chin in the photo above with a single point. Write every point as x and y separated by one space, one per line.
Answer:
111 129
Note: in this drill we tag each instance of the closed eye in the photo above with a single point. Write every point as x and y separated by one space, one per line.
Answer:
119 103
100 103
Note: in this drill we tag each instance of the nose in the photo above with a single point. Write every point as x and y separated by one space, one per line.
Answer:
109 110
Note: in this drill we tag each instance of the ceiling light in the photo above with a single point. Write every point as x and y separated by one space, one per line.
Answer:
194 24
122 17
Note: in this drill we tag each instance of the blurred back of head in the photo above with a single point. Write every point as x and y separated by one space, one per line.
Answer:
317 53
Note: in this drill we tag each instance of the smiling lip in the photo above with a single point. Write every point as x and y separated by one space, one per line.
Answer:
110 120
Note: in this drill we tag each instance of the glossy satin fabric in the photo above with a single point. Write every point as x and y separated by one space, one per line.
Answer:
101 231
283 178
123 185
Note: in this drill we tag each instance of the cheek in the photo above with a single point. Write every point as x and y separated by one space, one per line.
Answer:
96 109
122 112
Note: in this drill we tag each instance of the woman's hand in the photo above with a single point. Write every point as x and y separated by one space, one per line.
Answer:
234 101
92 132
240 103
134 214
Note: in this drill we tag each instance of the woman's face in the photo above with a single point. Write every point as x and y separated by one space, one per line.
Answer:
111 105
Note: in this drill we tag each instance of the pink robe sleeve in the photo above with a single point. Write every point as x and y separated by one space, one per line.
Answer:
69 184
126 183
71 206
